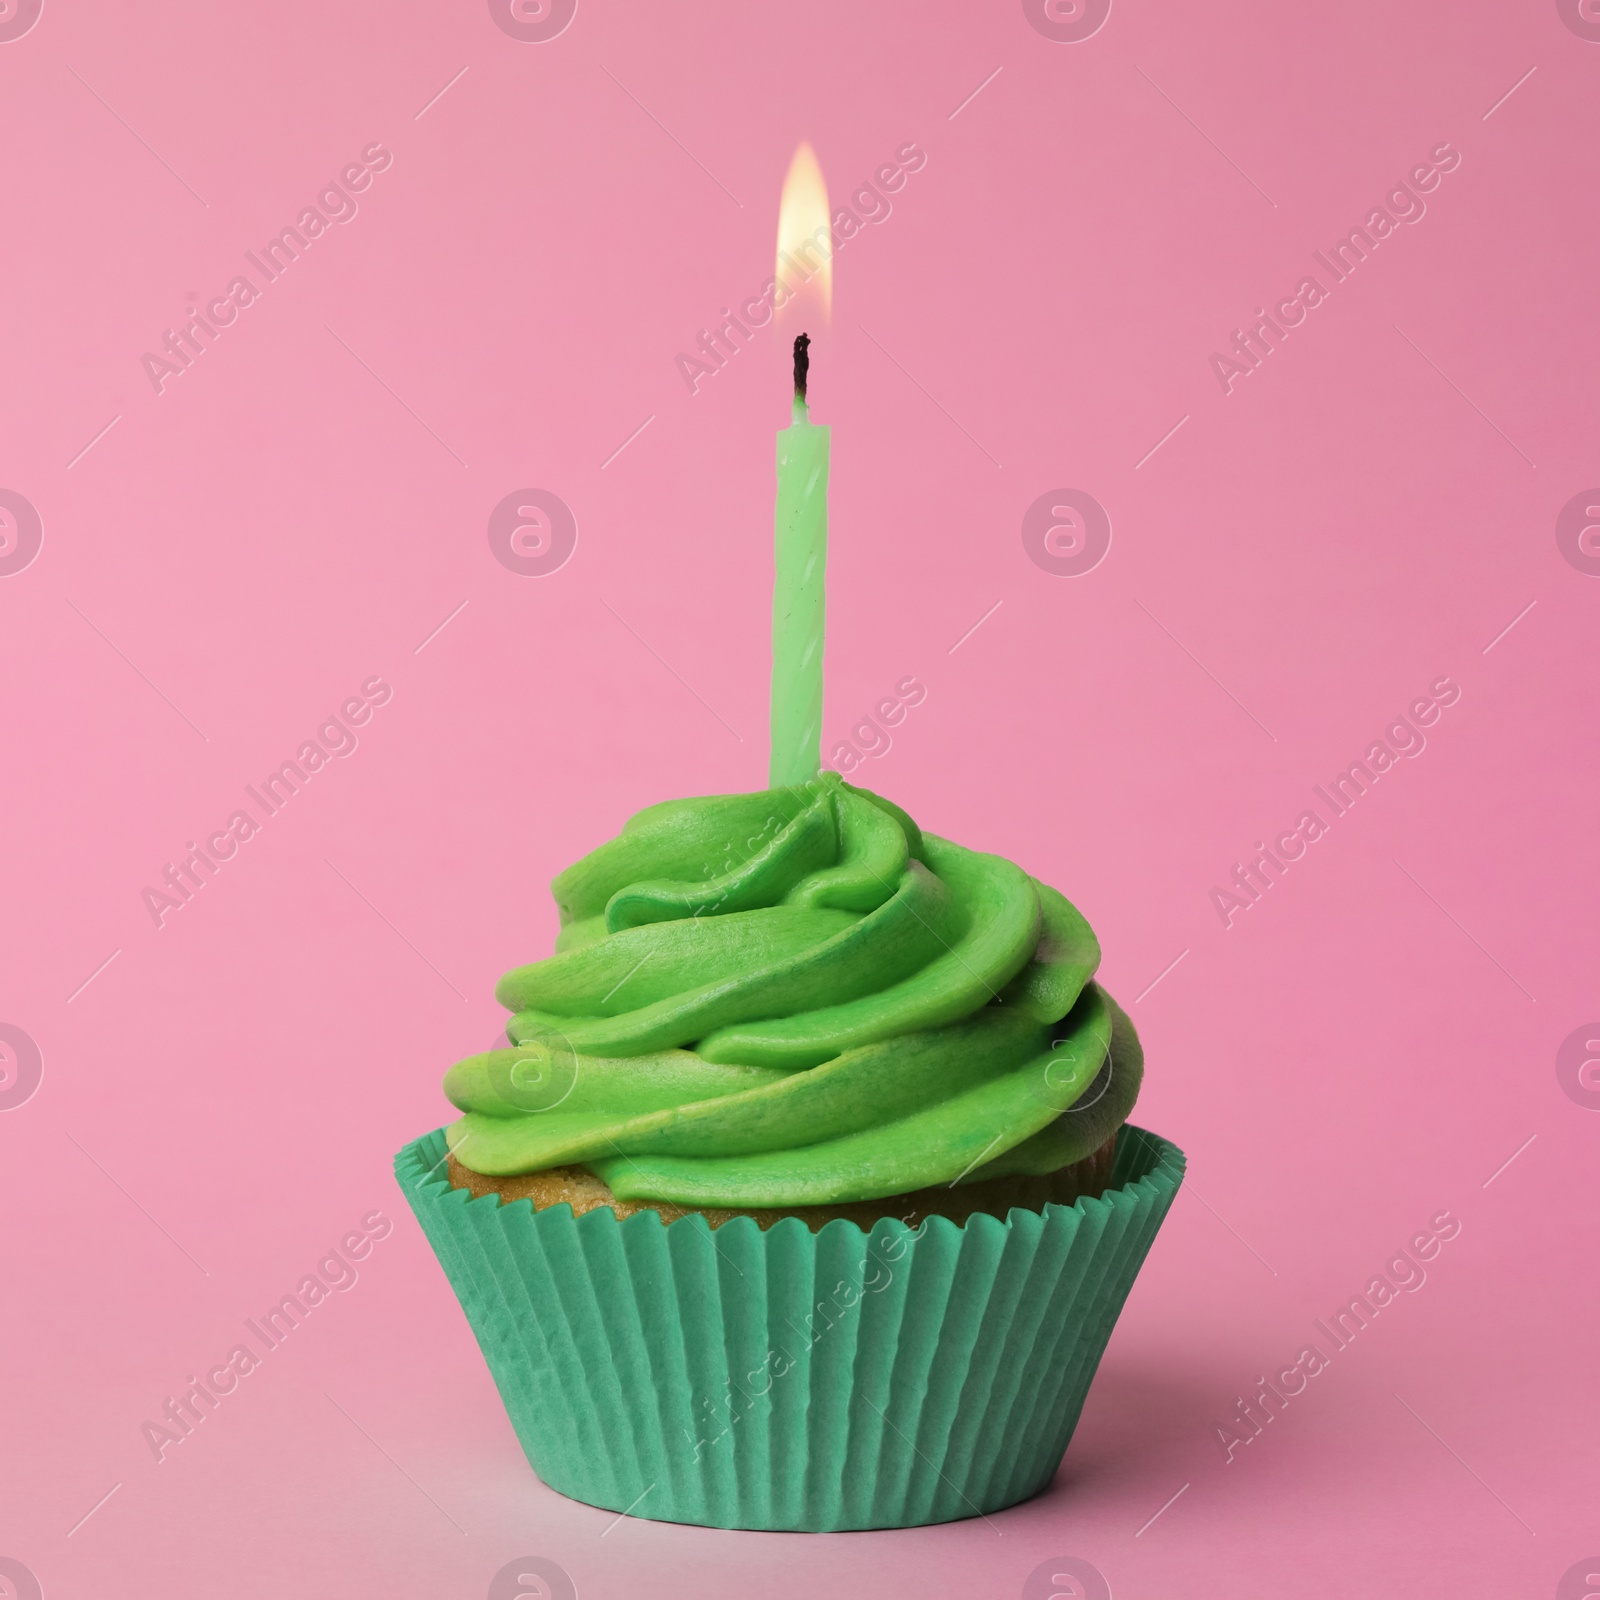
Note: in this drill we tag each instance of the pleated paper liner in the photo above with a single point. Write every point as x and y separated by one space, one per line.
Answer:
737 1378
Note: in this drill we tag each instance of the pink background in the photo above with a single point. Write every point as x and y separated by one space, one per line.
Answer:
306 506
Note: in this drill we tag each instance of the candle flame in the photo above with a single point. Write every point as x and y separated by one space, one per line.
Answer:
805 237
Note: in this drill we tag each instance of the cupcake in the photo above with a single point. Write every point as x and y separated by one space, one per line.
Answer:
804 1195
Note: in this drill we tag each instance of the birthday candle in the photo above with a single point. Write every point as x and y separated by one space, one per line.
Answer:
799 596
803 285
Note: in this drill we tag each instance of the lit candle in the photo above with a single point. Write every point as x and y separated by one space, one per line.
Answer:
799 593
805 269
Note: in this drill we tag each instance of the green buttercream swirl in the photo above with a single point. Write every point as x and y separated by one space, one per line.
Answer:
796 997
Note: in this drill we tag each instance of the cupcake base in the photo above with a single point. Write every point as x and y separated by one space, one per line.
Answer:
584 1192
781 1378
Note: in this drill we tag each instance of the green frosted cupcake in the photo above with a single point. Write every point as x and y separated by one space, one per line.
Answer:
803 1197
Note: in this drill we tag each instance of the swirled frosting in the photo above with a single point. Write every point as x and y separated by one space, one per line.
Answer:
796 997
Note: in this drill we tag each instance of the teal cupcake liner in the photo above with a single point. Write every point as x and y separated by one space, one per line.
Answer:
784 1379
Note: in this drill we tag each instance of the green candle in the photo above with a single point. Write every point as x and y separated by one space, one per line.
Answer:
799 595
